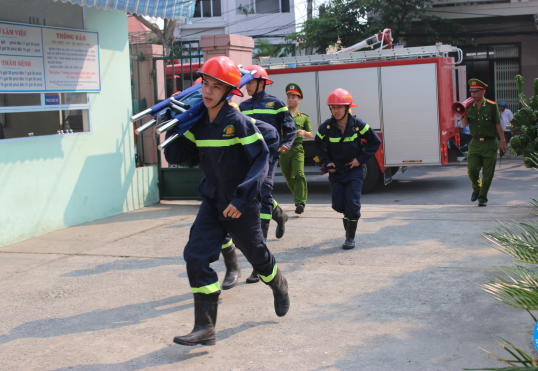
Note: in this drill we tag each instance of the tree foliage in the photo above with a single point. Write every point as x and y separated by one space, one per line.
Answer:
266 49
166 36
354 20
525 120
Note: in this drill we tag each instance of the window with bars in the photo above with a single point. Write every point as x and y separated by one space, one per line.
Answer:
262 6
497 66
207 9
28 115
24 115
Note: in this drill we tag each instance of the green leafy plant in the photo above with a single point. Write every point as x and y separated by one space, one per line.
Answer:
246 10
264 48
521 362
517 285
525 120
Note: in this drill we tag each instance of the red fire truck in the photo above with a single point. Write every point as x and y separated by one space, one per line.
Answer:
404 94
174 82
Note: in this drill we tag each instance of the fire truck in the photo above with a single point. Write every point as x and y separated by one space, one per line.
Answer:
404 94
181 76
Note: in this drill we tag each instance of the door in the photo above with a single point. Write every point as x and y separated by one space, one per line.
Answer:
410 115
362 83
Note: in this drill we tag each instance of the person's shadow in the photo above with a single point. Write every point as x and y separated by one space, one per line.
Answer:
107 319
167 356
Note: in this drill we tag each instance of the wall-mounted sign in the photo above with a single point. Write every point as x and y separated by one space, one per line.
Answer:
36 59
52 100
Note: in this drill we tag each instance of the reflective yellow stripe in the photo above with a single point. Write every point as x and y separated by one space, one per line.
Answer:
228 142
253 121
351 138
347 139
229 243
349 219
321 136
269 278
189 136
265 111
275 204
365 129
265 216
209 289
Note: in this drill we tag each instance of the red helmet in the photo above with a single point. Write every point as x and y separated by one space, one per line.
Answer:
225 70
340 97
261 73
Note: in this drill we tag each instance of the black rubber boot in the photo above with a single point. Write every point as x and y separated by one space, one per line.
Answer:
232 268
279 285
265 227
253 277
345 224
350 234
205 318
280 217
299 209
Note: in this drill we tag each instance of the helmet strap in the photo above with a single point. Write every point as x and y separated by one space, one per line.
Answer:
258 85
345 114
230 89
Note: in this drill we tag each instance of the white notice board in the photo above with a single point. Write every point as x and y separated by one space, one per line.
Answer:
37 59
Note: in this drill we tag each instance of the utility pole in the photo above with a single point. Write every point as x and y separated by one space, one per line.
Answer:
309 16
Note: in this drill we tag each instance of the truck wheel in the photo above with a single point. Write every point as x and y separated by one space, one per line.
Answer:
372 175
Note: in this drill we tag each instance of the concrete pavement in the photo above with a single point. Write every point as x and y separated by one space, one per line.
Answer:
111 294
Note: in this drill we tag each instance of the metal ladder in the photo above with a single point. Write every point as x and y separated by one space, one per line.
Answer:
437 50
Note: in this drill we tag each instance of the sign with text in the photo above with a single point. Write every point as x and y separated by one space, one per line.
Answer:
35 59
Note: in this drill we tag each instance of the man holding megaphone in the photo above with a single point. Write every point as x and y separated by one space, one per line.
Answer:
484 123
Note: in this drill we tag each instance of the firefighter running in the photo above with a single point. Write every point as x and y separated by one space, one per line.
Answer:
338 146
233 272
484 123
270 109
234 157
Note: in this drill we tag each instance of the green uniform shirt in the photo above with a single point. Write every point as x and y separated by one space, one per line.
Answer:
302 122
483 120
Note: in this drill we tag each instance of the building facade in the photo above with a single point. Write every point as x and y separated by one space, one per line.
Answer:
68 157
503 36
269 19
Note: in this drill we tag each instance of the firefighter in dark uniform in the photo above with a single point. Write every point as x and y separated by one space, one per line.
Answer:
234 157
484 122
233 272
338 146
270 109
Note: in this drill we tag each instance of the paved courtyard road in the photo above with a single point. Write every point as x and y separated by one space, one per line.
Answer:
111 294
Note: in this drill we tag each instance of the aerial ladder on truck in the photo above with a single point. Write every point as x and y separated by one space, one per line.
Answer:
404 94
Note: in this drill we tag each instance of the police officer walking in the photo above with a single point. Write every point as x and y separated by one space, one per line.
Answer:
270 109
484 122
234 157
292 163
338 146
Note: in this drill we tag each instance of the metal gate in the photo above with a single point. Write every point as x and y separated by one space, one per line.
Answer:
138 104
179 69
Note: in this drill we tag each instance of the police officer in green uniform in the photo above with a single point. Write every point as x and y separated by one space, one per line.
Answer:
292 162
484 123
